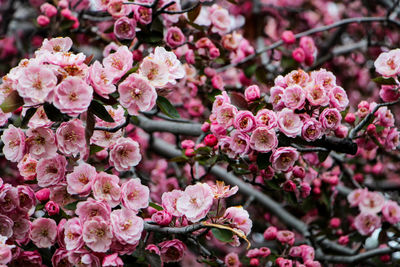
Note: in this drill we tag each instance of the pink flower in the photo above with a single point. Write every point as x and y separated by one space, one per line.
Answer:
285 237
172 250
27 167
275 98
124 154
14 143
367 223
299 77
118 63
101 80
142 14
240 143
43 232
112 260
284 158
263 139
338 98
299 55
6 226
73 234
72 96
221 23
48 9
311 130
90 208
105 188
59 44
239 218
288 37
126 226
174 37
226 115
317 95
330 118
83 256
252 93
356 196
39 119
388 63
270 233
70 137
52 208
169 59
155 71
137 94
134 195
97 234
41 143
307 253
195 201
9 200
294 97
42 21
51 171
244 121
169 200
289 122
220 100
162 218
372 202
125 28
391 212
232 260
389 93
5 253
118 9
79 181
220 190
266 117
43 194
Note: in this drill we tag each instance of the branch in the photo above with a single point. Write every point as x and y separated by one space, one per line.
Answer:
174 230
115 129
191 129
356 258
313 31
181 11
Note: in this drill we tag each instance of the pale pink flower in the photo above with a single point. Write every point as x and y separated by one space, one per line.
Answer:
125 28
195 201
90 208
58 44
97 234
285 237
101 80
172 250
43 232
175 68
70 138
137 94
388 64
118 9
338 98
372 202
252 93
50 171
118 63
311 130
330 118
134 195
126 226
367 223
41 143
239 218
240 143
27 198
14 143
83 257
112 260
142 14
289 122
275 98
39 119
317 95
324 78
220 100
106 187
232 260
356 196
220 20
6 254
9 200
220 190
263 139
125 154
226 115
392 140
284 158
294 97
391 212
27 167
266 117
64 59
73 234
244 121
169 200
297 77
80 180
100 5
72 96
174 37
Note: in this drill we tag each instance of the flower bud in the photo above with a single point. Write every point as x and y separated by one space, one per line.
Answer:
162 218
52 208
270 233
43 194
288 37
43 21
210 140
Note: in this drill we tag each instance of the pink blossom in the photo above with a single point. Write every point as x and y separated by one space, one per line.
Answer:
367 223
252 93
195 201
324 78
42 21
285 237
59 44
90 208
43 232
27 167
97 234
311 130
388 63
288 37
226 115
270 233
118 9
125 28
391 212
101 80
307 253
244 121
172 250
294 97
52 208
317 95
266 117
338 98
79 181
106 187
220 20
392 140
134 195
356 196
137 94
169 59
232 260
330 118
169 200
112 260
9 199
263 139
48 9
6 226
389 93
72 96
41 143
43 194
39 119
220 190
275 98
299 77
6 254
220 100
83 256
240 143
118 63
161 217
239 218
73 234
299 55
124 154
51 171
126 226
142 14
284 158
289 122
174 37
14 143
372 202
70 137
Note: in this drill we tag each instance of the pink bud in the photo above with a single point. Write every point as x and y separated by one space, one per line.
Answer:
254 262
288 37
66 13
52 208
187 144
189 56
343 240
153 249
210 140
299 55
43 21
359 177
371 129
335 222
137 55
43 194
289 186
299 172
350 118
162 217
205 127
270 233
63 4
214 52
252 93
189 152
48 10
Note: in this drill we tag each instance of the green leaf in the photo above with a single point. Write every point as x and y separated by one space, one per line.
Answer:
100 111
71 206
205 150
179 159
263 160
379 128
155 206
193 14
28 115
222 235
94 149
167 108
384 81
11 102
249 71
52 112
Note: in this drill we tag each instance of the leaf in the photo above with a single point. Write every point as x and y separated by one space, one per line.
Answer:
94 149
263 160
100 111
155 206
222 235
52 112
167 108
238 100
193 14
205 150
11 102
71 206
179 159
384 81
153 260
249 71
88 59
28 115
